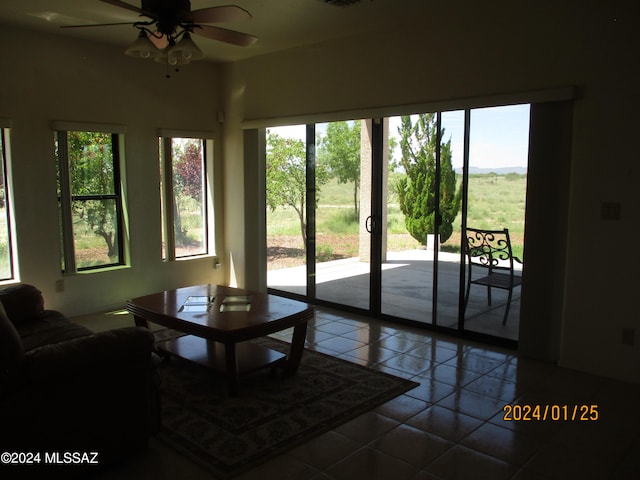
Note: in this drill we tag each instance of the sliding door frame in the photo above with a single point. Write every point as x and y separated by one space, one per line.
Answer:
559 96
311 210
376 197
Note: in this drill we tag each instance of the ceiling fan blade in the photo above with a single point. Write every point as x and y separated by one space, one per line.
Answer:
118 3
96 25
225 13
224 35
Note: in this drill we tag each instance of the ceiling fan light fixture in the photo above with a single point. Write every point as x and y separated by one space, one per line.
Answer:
159 40
171 60
142 47
186 49
166 26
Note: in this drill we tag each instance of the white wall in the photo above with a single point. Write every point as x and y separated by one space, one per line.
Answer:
51 78
475 49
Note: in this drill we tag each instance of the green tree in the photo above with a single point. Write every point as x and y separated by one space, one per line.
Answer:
187 180
188 168
339 150
286 177
417 190
91 174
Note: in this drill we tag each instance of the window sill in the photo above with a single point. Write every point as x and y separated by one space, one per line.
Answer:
99 270
193 258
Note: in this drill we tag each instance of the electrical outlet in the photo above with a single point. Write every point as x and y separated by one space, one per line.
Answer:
628 336
60 285
610 210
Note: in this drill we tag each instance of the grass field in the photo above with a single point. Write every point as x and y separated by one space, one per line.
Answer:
91 250
495 202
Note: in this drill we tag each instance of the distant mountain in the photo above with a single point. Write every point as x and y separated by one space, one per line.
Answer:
499 171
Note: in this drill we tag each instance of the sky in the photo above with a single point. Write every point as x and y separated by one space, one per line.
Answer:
498 138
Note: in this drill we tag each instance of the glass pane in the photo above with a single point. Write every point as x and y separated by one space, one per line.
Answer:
408 249
286 211
95 232
451 162
162 187
90 163
498 157
5 231
189 197
342 242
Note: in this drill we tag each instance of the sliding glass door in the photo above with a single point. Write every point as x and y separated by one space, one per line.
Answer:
421 259
408 253
343 199
370 214
286 195
449 246
496 199
318 209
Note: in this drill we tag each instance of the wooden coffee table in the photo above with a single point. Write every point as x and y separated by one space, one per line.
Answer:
219 320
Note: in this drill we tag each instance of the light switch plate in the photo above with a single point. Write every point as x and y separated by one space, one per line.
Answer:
610 210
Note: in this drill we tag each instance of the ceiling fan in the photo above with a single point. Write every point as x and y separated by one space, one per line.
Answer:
165 34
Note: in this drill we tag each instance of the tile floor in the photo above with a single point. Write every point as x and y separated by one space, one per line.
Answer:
452 425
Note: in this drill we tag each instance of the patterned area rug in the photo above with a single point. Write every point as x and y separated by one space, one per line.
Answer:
230 435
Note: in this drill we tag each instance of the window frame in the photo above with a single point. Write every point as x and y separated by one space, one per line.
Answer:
66 198
5 164
166 138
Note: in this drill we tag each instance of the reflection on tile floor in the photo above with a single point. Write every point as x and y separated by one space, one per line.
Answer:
452 425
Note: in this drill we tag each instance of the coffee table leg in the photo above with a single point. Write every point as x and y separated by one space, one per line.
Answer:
297 347
140 322
232 368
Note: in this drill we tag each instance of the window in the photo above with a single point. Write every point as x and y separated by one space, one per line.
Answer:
90 199
6 244
185 196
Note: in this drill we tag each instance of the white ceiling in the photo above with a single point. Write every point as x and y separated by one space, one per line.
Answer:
278 24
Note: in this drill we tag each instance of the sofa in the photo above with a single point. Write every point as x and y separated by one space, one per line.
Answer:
66 389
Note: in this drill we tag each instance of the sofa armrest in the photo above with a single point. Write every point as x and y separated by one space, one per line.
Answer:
22 302
82 358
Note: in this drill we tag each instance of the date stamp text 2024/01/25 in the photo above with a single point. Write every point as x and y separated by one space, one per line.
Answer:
550 412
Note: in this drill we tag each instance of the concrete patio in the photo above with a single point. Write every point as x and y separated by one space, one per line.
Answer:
407 290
